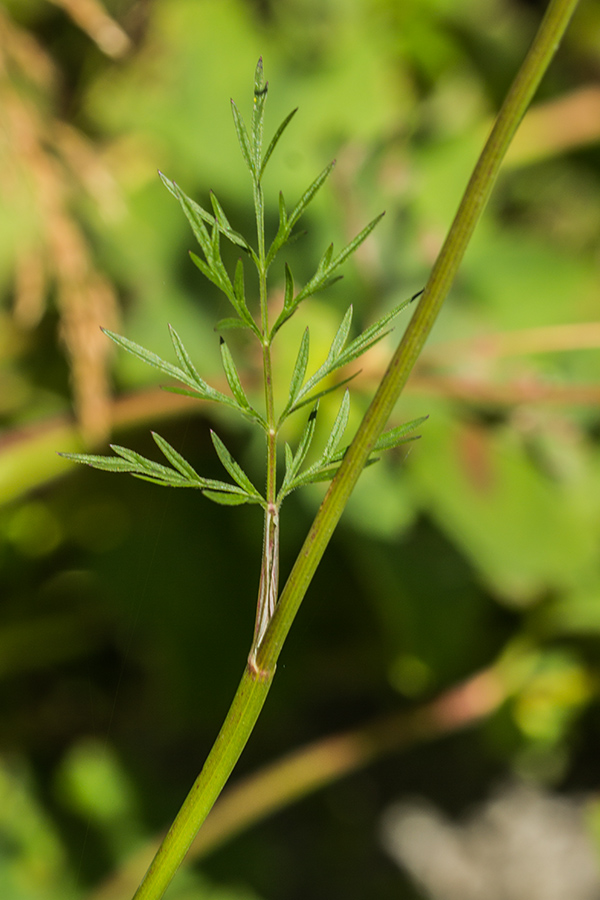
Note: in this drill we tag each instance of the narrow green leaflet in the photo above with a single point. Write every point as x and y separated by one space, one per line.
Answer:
329 365
258 114
322 276
213 275
153 360
328 456
219 214
371 335
285 230
299 372
184 357
175 458
330 460
196 216
309 194
393 437
239 299
339 356
243 138
339 426
233 378
288 296
230 322
227 499
275 139
236 472
282 232
106 463
235 385
322 393
294 461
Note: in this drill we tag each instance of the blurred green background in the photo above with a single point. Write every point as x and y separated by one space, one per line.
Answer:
126 610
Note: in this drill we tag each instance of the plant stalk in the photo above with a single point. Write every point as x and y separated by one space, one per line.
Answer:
476 195
256 680
269 573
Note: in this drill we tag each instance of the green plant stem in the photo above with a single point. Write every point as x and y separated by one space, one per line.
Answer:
240 720
269 573
442 275
255 683
312 767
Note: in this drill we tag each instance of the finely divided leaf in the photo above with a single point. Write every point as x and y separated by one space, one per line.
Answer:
181 475
286 223
188 375
322 276
134 464
339 355
370 336
328 461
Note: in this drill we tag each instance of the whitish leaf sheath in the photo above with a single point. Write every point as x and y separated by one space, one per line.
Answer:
268 590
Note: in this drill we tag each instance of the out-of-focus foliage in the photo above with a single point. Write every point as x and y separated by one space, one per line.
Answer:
126 612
